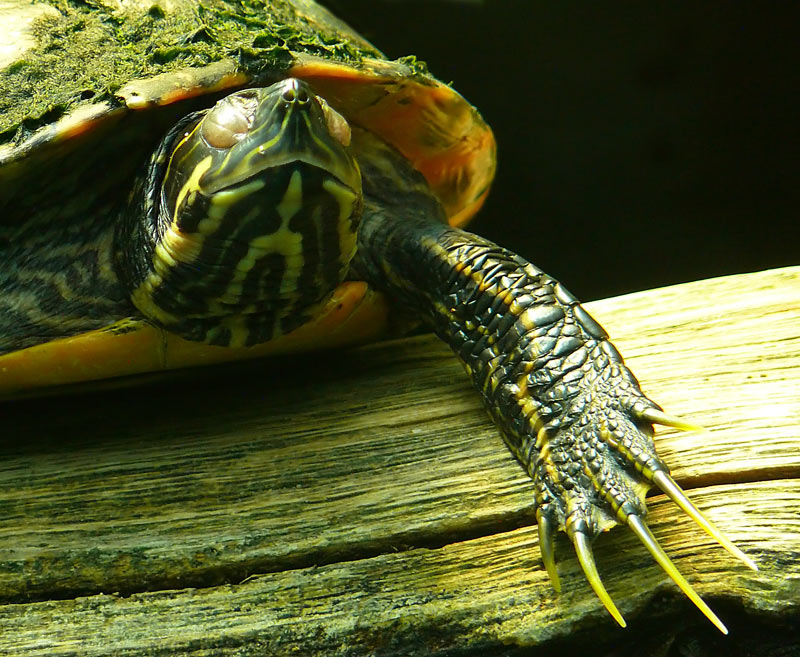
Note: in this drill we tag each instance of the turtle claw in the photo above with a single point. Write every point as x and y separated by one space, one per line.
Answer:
644 534
583 549
546 542
675 493
656 416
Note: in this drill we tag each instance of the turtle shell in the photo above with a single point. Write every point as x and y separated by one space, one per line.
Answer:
86 92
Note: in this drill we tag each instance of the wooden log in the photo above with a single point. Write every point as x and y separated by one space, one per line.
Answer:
361 503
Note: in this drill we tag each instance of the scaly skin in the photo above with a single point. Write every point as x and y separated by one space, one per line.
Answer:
567 406
57 280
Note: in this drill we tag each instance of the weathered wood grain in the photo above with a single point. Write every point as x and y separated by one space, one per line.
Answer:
483 591
361 503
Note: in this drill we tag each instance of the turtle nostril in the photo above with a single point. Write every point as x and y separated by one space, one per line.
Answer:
295 93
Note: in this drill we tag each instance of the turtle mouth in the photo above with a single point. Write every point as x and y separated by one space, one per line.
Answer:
257 130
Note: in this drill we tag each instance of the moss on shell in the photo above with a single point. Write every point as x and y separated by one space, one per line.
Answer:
92 48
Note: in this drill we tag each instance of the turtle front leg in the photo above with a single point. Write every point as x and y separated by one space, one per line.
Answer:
567 406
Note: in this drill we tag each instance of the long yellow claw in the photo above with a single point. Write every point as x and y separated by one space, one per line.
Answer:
546 540
644 534
675 493
654 416
584 551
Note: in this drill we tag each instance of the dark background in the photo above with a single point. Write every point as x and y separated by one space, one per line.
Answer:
640 144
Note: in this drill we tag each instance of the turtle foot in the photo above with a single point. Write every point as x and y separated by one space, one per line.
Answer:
567 406
592 468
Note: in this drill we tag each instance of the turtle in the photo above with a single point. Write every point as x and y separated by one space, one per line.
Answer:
185 183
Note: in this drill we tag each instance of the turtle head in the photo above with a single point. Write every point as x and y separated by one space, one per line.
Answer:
250 132
247 217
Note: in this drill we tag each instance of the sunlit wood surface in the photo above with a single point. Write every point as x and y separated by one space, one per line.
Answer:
361 503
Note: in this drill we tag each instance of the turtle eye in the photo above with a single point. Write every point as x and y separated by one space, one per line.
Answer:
336 123
229 120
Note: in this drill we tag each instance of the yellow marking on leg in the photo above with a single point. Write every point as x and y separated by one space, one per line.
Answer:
526 317
528 408
545 449
542 438
516 308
